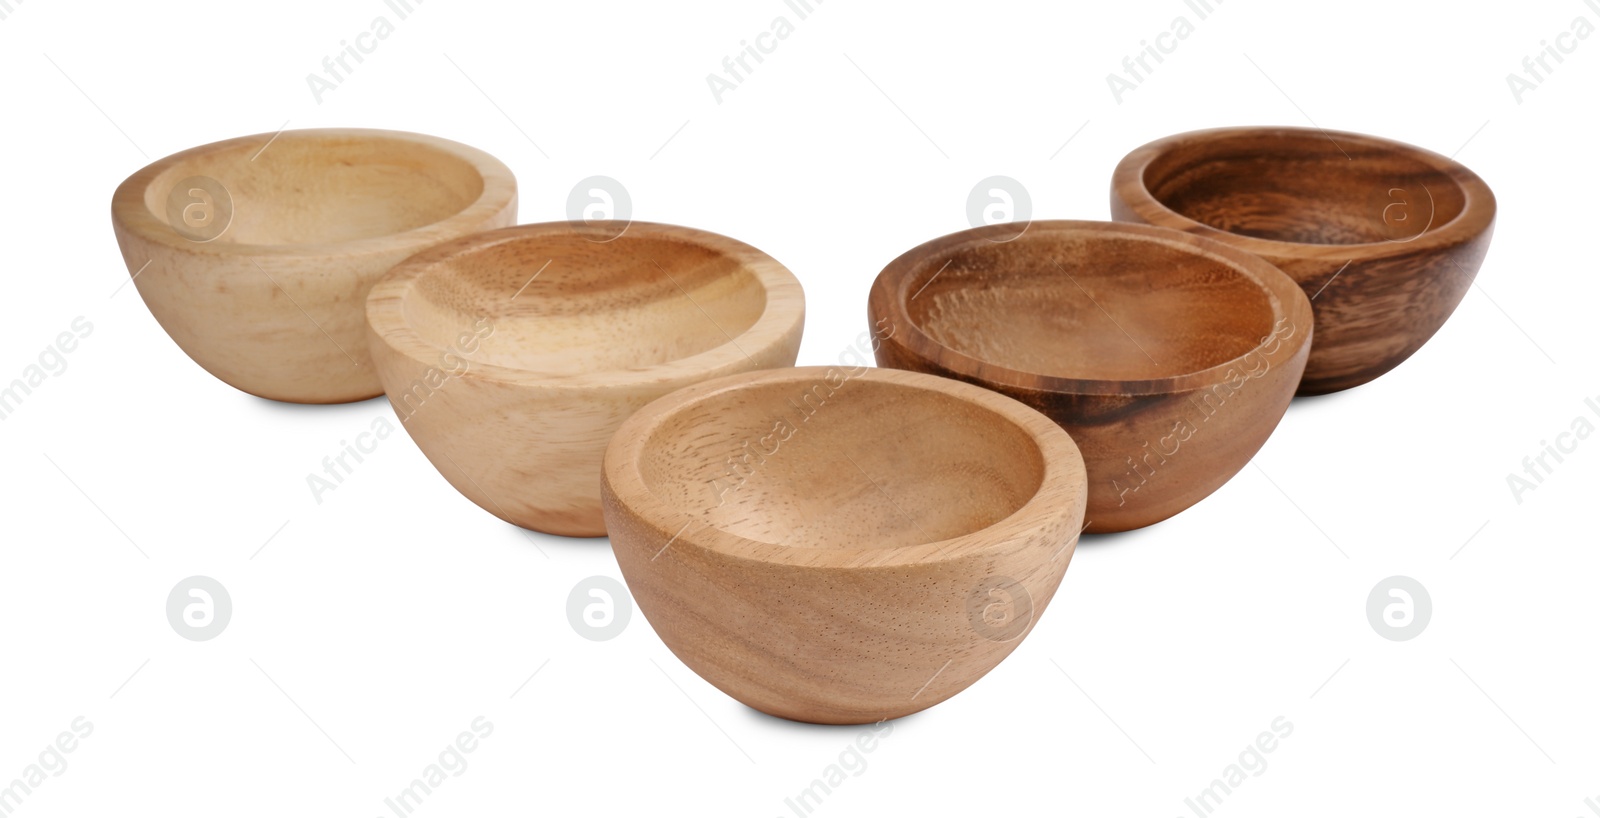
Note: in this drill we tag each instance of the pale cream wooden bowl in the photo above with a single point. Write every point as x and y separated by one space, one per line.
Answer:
512 356
842 545
256 254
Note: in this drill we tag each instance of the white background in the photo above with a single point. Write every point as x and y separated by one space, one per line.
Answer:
377 625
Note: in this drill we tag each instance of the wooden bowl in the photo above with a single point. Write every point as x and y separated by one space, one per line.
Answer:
841 545
1384 237
1168 357
512 356
256 254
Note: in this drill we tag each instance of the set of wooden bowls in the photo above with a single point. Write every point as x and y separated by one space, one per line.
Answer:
837 544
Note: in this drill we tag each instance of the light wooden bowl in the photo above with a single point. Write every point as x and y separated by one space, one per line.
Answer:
841 545
512 356
1169 358
256 254
1385 237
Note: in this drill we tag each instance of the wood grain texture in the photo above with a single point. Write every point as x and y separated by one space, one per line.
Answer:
512 356
271 299
841 545
1169 358
1385 237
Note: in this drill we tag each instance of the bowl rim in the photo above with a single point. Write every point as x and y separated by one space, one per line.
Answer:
888 298
129 211
1064 476
782 313
1477 210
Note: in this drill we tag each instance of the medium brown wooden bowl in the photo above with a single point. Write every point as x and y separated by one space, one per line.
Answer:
512 356
841 545
256 254
1168 357
1384 237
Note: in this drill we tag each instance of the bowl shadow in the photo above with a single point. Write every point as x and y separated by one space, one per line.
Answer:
766 720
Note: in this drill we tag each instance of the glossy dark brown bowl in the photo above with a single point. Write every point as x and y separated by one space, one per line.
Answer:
1168 358
1385 238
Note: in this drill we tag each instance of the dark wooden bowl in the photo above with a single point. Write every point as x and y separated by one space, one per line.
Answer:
1169 358
1384 237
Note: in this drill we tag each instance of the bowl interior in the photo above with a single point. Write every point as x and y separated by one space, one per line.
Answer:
560 303
1090 305
309 188
1303 187
841 462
